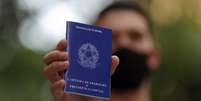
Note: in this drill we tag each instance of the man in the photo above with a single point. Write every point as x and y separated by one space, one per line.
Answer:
135 56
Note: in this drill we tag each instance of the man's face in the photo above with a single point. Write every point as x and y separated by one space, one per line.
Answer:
130 30
133 43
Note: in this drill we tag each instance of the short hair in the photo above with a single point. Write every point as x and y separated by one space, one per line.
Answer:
128 5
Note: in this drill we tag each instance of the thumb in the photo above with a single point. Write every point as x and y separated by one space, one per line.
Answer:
115 62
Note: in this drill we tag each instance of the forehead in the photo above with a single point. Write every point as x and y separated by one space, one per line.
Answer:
123 20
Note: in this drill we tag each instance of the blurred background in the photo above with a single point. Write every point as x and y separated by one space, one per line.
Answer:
31 28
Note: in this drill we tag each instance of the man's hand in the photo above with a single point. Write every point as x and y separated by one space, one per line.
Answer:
57 63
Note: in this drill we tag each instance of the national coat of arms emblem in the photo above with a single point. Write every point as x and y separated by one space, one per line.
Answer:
88 56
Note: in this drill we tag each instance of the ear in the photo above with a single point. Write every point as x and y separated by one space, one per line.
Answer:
154 59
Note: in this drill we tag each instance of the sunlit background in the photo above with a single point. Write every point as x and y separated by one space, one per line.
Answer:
31 28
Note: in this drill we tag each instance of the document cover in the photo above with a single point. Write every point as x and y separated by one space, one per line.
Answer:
90 50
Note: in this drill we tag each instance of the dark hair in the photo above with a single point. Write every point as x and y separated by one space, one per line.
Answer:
127 5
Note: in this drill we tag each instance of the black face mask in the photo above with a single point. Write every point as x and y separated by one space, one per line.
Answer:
131 71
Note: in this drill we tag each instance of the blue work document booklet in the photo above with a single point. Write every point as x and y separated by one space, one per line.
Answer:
90 51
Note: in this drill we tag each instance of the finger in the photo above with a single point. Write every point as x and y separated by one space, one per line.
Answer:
57 89
62 45
53 77
55 56
52 70
115 62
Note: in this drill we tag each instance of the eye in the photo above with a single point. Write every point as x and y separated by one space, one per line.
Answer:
135 35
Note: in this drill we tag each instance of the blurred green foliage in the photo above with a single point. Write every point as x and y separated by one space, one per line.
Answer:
21 76
178 78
